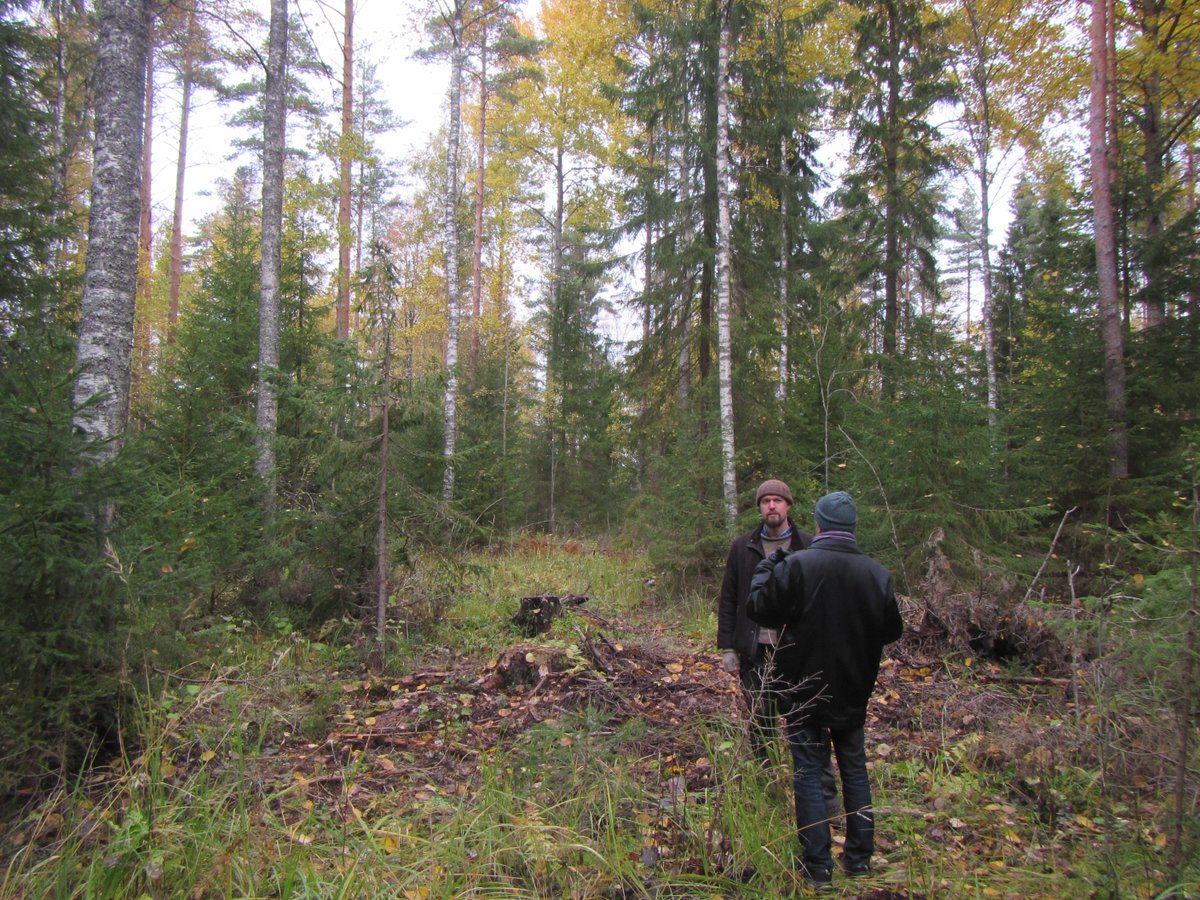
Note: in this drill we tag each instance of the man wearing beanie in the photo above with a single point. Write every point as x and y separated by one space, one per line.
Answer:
746 647
834 608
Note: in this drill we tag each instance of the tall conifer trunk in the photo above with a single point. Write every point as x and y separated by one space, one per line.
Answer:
345 154
1106 256
685 311
140 366
381 516
891 190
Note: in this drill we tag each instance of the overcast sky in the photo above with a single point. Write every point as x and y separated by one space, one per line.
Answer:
384 34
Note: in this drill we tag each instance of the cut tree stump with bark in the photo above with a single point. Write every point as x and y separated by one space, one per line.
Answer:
536 613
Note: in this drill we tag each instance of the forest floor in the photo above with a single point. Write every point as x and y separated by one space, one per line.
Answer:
602 758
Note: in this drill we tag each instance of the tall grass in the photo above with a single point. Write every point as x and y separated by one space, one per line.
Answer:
198 804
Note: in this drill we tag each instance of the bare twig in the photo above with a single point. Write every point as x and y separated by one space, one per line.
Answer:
1036 680
1049 554
887 506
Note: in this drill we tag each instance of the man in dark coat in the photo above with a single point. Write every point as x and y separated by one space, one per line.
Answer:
835 609
746 647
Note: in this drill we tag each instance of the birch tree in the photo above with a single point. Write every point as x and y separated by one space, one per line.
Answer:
448 26
105 343
724 261
186 82
1010 70
450 221
274 127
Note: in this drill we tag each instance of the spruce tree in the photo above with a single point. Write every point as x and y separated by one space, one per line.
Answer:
898 79
59 605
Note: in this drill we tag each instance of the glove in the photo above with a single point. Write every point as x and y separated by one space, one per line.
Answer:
779 555
729 661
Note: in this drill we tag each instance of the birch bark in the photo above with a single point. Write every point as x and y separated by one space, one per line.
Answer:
185 109
274 127
450 217
105 340
782 287
724 254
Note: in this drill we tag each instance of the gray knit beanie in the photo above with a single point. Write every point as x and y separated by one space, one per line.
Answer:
837 512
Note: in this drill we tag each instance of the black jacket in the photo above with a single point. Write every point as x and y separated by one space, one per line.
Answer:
836 608
734 630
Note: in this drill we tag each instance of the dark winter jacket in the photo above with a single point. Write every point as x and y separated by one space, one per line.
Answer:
734 630
836 609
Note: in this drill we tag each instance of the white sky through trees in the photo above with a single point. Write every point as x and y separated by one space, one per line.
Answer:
385 33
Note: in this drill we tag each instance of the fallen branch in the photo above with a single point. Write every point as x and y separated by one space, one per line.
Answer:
1039 680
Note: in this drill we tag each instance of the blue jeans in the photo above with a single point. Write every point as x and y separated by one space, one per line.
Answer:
810 756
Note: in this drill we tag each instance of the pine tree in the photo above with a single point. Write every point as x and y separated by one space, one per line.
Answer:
1106 250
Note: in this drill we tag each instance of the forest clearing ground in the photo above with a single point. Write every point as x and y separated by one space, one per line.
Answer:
604 758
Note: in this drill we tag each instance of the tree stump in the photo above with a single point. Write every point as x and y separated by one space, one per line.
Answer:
536 613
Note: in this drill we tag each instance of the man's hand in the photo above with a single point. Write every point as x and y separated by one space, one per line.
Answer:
730 662
769 603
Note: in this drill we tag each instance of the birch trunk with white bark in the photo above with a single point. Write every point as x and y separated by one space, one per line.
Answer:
450 217
185 109
781 390
274 127
724 259
106 313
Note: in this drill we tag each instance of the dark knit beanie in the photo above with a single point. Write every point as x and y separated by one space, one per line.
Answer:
773 486
837 512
